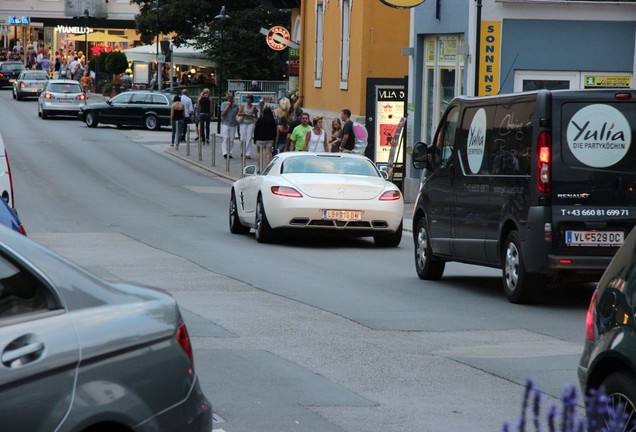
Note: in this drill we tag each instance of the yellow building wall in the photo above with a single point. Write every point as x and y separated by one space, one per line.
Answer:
378 34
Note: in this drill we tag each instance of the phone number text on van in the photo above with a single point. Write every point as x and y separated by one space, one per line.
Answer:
594 212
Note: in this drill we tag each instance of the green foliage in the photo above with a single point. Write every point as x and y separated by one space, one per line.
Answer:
115 62
235 43
97 62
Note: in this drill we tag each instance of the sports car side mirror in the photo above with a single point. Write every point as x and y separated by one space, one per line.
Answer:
249 170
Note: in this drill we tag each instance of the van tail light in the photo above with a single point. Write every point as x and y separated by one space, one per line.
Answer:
544 160
184 341
391 195
547 232
589 318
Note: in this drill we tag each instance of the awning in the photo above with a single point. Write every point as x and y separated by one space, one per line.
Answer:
97 36
184 54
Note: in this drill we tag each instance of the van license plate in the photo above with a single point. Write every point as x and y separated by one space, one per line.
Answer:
343 215
594 238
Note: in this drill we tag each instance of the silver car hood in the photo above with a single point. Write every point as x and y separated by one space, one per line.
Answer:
337 186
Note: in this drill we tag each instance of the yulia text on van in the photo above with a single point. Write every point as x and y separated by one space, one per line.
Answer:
540 184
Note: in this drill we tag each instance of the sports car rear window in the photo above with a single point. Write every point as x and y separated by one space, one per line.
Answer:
65 88
329 165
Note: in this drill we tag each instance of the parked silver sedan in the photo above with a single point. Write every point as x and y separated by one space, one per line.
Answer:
79 354
61 97
29 83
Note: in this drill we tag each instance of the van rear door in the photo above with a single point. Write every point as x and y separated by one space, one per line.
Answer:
593 183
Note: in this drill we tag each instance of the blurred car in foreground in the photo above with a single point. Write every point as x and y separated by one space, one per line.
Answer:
61 97
321 193
9 72
143 108
29 83
609 356
82 354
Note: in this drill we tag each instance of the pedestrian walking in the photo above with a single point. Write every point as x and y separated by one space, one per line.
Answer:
189 112
336 131
176 119
348 139
299 133
264 136
247 118
229 112
282 130
86 82
204 105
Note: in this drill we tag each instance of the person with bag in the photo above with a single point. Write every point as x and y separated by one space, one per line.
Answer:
282 130
336 131
348 139
247 120
229 111
316 138
204 106
264 136
177 114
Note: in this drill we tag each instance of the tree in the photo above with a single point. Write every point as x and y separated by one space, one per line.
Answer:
115 62
243 52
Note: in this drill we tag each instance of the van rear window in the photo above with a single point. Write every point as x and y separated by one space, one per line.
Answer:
598 135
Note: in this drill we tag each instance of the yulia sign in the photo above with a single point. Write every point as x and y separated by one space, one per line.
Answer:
402 3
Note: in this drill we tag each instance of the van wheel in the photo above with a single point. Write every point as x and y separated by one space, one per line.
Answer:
391 240
620 388
427 266
519 285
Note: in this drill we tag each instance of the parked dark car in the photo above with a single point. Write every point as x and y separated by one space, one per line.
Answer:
9 72
148 109
609 356
81 354
29 83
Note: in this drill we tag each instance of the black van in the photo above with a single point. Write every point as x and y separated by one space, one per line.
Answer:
540 184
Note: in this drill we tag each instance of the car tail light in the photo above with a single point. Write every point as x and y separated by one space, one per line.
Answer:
286 192
391 195
623 96
184 340
1 75
22 230
589 318
22 84
48 96
544 160
81 97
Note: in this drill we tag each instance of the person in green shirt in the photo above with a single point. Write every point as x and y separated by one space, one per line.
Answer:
300 132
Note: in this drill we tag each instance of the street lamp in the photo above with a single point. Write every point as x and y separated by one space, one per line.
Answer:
221 16
86 16
159 75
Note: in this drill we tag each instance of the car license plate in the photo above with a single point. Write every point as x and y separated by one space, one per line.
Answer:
343 215
594 238
65 100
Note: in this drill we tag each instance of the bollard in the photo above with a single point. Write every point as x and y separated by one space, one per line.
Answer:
200 148
213 149
229 152
243 157
187 135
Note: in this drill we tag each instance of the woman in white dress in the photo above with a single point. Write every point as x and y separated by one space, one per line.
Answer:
316 139
249 113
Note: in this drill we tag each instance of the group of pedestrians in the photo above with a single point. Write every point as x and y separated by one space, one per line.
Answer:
269 134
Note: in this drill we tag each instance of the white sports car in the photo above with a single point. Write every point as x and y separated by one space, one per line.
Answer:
320 193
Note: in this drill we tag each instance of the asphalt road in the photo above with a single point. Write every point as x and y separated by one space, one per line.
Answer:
305 335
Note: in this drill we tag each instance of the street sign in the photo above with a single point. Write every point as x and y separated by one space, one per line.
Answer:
4 30
278 38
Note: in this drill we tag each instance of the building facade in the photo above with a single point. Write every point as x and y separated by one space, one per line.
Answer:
486 47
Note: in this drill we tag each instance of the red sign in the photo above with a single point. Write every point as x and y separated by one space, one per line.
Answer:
277 38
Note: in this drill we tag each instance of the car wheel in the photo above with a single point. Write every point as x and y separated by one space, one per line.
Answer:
151 122
427 266
91 119
620 388
519 285
236 227
262 230
44 115
391 240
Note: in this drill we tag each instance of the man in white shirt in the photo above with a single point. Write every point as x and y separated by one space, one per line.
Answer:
188 110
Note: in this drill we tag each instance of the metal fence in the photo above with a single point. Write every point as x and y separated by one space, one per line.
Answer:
281 88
